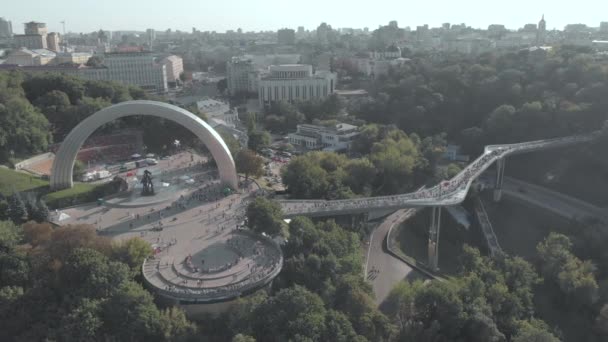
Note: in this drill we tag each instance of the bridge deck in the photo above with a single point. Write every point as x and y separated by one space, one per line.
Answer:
446 193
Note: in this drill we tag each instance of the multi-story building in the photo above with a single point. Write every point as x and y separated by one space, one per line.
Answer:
30 41
334 138
26 57
240 76
293 82
286 36
140 69
150 37
52 41
73 58
34 27
219 111
35 37
175 67
6 28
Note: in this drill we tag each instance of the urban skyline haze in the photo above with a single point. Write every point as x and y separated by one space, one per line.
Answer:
88 16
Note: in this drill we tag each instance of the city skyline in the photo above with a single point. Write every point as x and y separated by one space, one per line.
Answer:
274 14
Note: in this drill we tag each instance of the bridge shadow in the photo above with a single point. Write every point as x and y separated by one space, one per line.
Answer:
154 216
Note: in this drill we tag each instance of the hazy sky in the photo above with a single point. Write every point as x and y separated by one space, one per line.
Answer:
221 15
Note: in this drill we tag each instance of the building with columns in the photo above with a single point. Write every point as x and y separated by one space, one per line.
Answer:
295 82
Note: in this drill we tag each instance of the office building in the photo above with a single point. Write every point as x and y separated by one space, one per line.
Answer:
286 36
175 67
30 41
333 138
295 82
37 37
6 28
35 28
138 68
150 37
52 41
241 76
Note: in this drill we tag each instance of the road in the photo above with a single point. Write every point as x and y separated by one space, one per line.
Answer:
556 202
390 269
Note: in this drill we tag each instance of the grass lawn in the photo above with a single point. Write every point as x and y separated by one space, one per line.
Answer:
413 236
79 193
11 181
519 227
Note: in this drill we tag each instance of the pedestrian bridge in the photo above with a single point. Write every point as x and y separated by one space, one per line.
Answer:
446 193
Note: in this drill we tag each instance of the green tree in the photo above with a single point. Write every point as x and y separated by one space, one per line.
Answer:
23 129
305 178
264 215
78 170
132 252
258 140
242 338
10 235
95 61
573 276
233 145
249 163
534 331
130 314
83 323
292 314
222 85
17 210
42 212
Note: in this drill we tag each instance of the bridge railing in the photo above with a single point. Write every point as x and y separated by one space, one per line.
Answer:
450 192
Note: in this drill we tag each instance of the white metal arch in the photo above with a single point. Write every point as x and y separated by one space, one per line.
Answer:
61 174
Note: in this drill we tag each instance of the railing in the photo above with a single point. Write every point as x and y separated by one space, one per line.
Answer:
486 227
216 294
446 193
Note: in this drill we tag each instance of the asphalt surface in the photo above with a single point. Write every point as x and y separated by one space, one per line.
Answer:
382 269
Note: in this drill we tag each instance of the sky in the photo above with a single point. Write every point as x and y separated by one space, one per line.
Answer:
256 15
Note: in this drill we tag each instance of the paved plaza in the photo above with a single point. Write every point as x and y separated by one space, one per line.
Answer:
203 252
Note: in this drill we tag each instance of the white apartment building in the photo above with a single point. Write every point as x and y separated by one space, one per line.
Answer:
218 110
313 137
175 67
293 82
138 68
241 75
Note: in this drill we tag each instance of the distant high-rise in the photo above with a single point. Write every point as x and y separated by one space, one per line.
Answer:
151 36
35 28
240 76
6 28
34 37
393 23
286 36
542 31
52 41
603 26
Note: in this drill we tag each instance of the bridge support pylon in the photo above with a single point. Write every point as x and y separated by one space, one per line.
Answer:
434 238
500 175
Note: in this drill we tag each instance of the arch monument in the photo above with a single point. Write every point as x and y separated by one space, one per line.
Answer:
61 173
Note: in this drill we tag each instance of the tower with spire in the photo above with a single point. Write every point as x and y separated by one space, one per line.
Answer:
541 32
